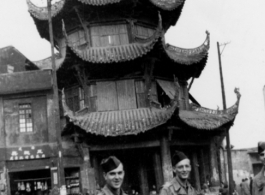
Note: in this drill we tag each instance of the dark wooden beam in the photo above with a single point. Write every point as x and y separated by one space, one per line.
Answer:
148 76
195 167
213 163
147 144
87 173
144 144
158 170
202 167
166 159
144 187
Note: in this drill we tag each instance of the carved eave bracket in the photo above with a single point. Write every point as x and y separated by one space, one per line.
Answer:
167 4
123 122
59 58
41 13
189 56
99 2
207 119
112 54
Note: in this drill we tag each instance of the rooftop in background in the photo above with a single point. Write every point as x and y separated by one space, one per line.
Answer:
11 60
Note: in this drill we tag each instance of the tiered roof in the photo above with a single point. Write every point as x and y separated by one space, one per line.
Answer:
195 58
168 5
209 119
135 121
187 62
41 13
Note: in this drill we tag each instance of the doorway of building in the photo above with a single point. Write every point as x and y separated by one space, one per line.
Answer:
35 182
72 180
138 166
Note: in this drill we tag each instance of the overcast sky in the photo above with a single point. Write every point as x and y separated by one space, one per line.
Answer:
239 22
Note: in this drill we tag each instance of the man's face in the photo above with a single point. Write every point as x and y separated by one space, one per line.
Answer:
262 157
182 169
114 178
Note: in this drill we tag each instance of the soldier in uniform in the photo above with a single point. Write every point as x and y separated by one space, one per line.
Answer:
258 184
180 184
113 174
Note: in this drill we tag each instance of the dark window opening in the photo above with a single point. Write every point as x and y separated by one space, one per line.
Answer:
37 182
72 98
72 180
25 118
109 35
143 32
163 99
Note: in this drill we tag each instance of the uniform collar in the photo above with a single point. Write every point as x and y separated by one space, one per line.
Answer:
109 192
179 184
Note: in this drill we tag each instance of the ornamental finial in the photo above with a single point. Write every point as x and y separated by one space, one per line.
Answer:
236 90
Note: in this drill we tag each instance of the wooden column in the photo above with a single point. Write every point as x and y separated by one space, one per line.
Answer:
95 164
195 167
202 167
219 164
148 76
213 165
158 170
166 159
82 77
144 189
223 164
185 97
87 173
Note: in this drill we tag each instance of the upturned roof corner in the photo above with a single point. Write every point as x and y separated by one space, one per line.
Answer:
209 119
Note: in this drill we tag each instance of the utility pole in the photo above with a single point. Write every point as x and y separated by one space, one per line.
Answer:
229 157
58 173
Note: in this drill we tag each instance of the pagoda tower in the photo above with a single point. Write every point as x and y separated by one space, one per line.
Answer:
125 92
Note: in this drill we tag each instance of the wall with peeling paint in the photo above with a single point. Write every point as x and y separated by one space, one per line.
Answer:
242 166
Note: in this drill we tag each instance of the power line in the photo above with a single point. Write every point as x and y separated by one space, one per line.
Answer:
224 44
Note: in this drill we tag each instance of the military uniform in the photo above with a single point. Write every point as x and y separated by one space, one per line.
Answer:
258 184
176 187
106 191
245 188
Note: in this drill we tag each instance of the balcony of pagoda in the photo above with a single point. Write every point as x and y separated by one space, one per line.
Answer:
114 108
125 106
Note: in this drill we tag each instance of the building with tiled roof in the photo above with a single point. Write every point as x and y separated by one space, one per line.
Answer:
125 92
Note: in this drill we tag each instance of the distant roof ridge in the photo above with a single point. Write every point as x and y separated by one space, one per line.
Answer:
250 149
7 47
13 47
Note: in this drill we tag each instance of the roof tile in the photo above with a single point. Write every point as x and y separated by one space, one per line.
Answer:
208 119
167 4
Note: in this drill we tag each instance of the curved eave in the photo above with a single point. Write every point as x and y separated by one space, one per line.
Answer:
118 53
41 13
99 2
113 54
168 5
59 58
120 122
189 56
207 119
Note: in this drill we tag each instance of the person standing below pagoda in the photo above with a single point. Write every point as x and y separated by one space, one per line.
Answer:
179 184
258 184
113 174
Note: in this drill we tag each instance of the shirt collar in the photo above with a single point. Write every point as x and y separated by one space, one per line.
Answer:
109 192
178 184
